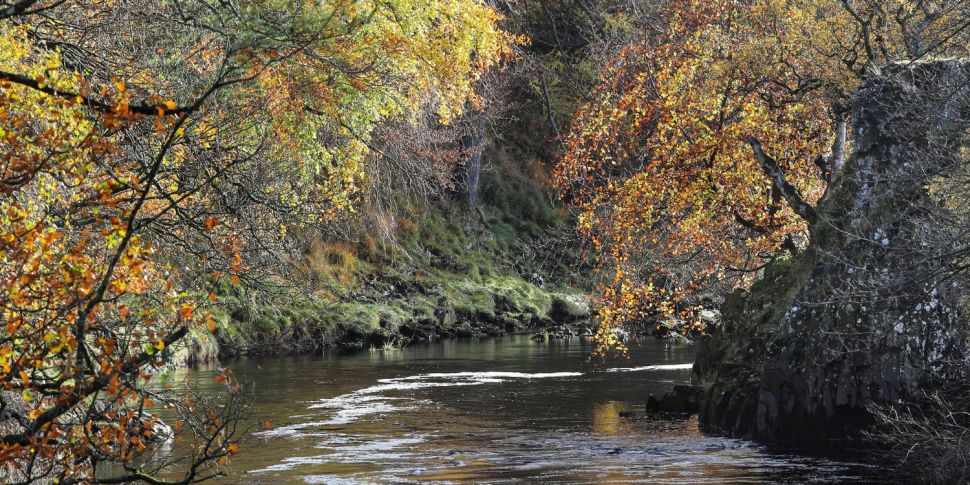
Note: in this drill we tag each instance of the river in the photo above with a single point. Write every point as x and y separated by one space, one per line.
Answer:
496 410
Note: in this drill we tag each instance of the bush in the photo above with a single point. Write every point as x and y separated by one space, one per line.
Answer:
929 437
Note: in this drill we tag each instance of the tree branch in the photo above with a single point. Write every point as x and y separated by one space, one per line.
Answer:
142 108
748 224
86 389
16 8
788 191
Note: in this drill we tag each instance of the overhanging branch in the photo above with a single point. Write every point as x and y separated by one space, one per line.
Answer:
788 191
141 108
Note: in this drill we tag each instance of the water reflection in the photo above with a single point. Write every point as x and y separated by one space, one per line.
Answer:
607 420
493 410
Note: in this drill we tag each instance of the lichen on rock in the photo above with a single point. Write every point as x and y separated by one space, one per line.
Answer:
863 315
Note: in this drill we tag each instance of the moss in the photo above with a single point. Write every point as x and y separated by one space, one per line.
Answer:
725 359
445 273
198 347
418 307
519 201
492 305
515 295
568 308
469 300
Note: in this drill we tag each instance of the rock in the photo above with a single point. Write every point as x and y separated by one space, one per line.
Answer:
512 322
558 332
446 317
542 321
465 330
677 339
536 279
682 400
798 361
568 309
710 317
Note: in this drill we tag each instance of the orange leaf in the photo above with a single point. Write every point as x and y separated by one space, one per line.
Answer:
186 310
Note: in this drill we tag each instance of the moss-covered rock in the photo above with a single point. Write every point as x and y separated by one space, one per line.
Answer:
567 308
198 347
452 306
803 355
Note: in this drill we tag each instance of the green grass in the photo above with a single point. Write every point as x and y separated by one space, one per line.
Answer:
445 273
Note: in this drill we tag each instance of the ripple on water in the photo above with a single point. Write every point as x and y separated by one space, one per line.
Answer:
652 367
372 400
512 426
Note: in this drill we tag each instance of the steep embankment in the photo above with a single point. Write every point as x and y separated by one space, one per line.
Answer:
447 271
851 321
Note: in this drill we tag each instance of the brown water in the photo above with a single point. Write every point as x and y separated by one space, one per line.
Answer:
497 410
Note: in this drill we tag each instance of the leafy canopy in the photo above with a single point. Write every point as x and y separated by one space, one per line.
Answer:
662 164
137 172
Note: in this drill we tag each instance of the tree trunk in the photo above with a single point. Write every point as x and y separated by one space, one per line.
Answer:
471 145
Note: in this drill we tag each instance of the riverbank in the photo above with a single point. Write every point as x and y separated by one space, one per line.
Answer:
386 314
443 271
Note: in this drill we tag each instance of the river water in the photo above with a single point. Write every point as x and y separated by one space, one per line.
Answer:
496 410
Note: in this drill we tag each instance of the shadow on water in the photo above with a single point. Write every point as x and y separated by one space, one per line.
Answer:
496 410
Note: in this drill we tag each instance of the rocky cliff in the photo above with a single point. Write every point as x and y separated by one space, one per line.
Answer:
869 312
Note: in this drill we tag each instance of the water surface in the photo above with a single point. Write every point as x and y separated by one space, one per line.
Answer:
497 410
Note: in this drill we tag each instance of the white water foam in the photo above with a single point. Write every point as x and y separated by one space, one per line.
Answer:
348 408
372 400
484 376
652 367
334 480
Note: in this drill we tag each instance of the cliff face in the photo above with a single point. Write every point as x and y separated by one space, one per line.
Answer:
868 312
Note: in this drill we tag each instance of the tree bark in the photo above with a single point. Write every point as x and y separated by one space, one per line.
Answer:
788 191
471 145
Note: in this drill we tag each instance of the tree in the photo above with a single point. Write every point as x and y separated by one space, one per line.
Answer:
700 157
140 168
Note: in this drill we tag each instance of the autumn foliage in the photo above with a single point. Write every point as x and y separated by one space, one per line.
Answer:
138 171
706 144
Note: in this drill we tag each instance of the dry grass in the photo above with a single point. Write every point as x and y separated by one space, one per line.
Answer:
333 264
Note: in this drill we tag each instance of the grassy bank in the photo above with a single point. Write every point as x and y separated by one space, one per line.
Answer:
446 306
445 271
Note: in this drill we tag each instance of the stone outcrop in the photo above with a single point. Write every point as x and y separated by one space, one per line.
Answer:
854 319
